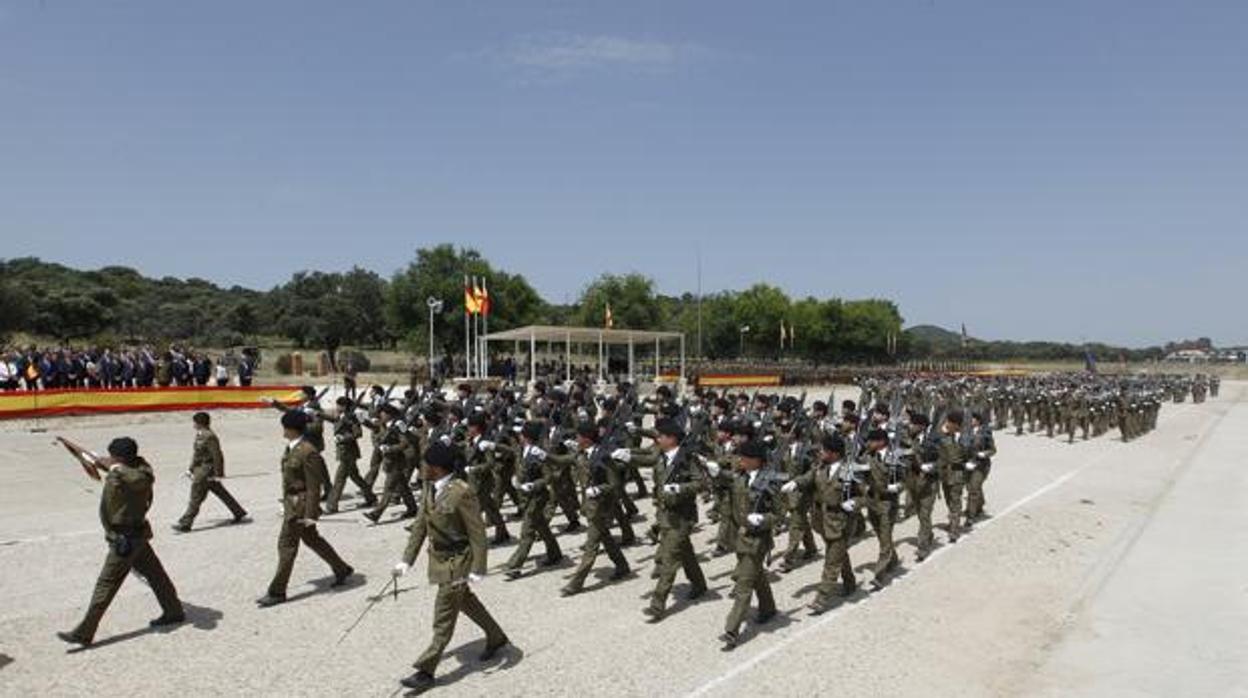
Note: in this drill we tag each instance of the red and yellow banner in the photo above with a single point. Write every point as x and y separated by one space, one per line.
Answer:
738 380
49 403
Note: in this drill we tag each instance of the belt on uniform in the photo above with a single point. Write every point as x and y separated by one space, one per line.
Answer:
450 549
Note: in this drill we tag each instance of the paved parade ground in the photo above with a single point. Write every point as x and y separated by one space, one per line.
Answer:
1106 569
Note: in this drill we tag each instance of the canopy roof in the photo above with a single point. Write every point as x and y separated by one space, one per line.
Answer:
585 335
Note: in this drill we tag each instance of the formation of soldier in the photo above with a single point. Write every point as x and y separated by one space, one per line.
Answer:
760 467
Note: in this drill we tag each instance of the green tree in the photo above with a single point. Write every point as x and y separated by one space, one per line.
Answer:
633 302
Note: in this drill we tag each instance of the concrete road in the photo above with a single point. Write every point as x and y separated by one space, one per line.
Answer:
1107 569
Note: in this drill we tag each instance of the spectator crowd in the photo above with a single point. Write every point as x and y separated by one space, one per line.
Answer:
108 368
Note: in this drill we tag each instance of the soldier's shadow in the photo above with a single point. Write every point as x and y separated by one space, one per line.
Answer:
507 658
781 621
325 585
198 617
222 523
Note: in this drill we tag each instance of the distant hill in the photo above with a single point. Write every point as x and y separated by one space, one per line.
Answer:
936 336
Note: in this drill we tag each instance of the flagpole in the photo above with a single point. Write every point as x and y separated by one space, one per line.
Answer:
485 330
467 332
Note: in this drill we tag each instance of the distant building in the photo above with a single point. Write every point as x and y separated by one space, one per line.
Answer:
1191 356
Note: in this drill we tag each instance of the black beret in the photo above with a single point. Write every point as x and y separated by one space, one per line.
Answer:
849 405
440 455
457 411
587 430
308 390
533 431
834 443
609 404
881 408
819 406
476 419
123 448
753 449
390 409
725 425
669 427
877 435
294 420
978 416
920 419
343 401
664 391
744 428
955 416
723 404
464 387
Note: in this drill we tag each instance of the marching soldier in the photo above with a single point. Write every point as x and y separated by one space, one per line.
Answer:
393 445
951 464
676 508
753 512
836 491
206 462
450 519
600 481
926 481
480 472
124 502
301 480
533 475
978 465
882 492
347 433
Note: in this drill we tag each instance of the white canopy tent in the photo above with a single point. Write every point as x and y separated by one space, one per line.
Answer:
602 337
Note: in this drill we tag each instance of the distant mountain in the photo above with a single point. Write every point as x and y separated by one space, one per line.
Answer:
936 336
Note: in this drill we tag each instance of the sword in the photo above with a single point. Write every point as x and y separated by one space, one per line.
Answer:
372 602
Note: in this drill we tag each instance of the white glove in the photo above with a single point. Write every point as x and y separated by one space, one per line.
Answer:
399 570
526 487
469 468
187 475
341 438
848 505
755 520
361 414
474 578
484 445
538 453
515 482
445 439
768 439
927 467
623 455
632 428
894 487
571 444
713 468
592 492
970 465
788 487
758 425
793 450
981 454
671 489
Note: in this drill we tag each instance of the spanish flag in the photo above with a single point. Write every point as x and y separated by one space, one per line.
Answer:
483 300
471 305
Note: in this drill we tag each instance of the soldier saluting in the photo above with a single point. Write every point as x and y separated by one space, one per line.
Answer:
124 503
450 518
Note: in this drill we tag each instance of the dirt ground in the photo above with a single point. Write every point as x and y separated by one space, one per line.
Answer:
1107 569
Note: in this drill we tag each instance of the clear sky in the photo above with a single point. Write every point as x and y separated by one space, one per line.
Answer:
1059 169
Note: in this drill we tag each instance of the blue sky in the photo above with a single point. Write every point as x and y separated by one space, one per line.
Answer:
1060 169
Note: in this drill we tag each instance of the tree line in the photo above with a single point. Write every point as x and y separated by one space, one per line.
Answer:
328 310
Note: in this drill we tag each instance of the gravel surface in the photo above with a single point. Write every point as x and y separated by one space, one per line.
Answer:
1093 577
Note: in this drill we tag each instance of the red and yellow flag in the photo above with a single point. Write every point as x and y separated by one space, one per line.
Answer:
471 306
483 300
